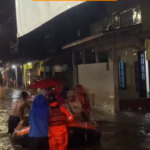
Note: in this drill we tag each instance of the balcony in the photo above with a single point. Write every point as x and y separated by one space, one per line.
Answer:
118 19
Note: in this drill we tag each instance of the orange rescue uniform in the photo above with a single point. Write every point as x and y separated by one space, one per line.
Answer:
58 133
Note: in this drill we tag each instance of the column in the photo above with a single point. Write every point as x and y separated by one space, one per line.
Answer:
75 70
147 76
16 74
44 69
26 76
115 74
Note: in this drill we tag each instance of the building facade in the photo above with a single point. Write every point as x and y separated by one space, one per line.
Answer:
111 64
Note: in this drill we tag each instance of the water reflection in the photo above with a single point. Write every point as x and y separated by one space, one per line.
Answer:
124 131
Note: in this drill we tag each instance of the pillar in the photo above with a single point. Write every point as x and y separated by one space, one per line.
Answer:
96 54
75 71
147 76
116 77
22 76
16 74
26 76
84 59
44 69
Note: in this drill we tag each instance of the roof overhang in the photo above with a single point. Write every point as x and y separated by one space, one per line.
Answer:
100 35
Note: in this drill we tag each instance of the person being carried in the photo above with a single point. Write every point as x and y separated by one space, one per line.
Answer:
17 112
58 133
73 105
83 98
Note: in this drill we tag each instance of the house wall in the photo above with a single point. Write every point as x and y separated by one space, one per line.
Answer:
145 10
112 7
129 56
99 84
126 49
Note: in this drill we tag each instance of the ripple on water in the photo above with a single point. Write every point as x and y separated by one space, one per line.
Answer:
123 131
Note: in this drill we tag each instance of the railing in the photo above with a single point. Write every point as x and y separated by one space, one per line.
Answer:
119 19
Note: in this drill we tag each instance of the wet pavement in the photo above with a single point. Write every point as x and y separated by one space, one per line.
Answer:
124 131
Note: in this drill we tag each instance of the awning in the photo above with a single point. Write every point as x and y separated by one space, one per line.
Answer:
32 14
102 35
82 40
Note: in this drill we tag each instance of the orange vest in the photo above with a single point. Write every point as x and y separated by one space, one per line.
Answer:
57 118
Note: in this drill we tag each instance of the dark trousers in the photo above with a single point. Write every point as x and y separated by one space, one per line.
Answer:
39 143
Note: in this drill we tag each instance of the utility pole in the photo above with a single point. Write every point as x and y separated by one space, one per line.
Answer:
44 69
16 73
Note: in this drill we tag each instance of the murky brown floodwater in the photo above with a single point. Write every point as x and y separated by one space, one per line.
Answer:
125 131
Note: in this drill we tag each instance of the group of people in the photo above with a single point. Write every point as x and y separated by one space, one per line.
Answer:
75 100
49 115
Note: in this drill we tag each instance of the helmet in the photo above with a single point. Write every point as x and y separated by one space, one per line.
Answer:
51 98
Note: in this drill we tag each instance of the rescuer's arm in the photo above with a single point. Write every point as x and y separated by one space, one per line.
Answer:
69 115
77 108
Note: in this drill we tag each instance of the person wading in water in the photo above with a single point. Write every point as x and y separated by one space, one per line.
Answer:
59 116
17 112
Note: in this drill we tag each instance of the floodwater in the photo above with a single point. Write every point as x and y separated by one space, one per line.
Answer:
124 131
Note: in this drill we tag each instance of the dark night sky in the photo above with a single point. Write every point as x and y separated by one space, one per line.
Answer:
63 29
7 28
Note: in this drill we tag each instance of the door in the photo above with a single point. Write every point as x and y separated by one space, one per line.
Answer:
142 74
60 76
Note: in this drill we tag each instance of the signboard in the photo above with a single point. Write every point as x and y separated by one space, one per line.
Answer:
32 14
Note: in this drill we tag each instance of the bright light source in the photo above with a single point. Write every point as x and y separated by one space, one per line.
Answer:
13 66
147 73
29 63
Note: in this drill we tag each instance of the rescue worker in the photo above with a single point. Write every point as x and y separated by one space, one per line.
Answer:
83 98
73 105
57 91
58 133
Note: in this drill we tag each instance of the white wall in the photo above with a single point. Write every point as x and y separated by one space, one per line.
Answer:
99 84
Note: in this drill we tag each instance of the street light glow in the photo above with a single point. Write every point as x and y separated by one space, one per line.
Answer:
13 66
29 63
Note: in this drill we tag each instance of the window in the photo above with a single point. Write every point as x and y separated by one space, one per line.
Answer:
136 70
122 75
78 57
90 55
143 67
103 57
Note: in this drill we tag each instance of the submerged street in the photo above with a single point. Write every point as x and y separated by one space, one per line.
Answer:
124 131
93 58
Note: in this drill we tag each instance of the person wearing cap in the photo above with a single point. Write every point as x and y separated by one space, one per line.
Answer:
58 133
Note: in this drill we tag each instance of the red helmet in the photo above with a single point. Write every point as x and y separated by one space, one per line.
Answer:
51 98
